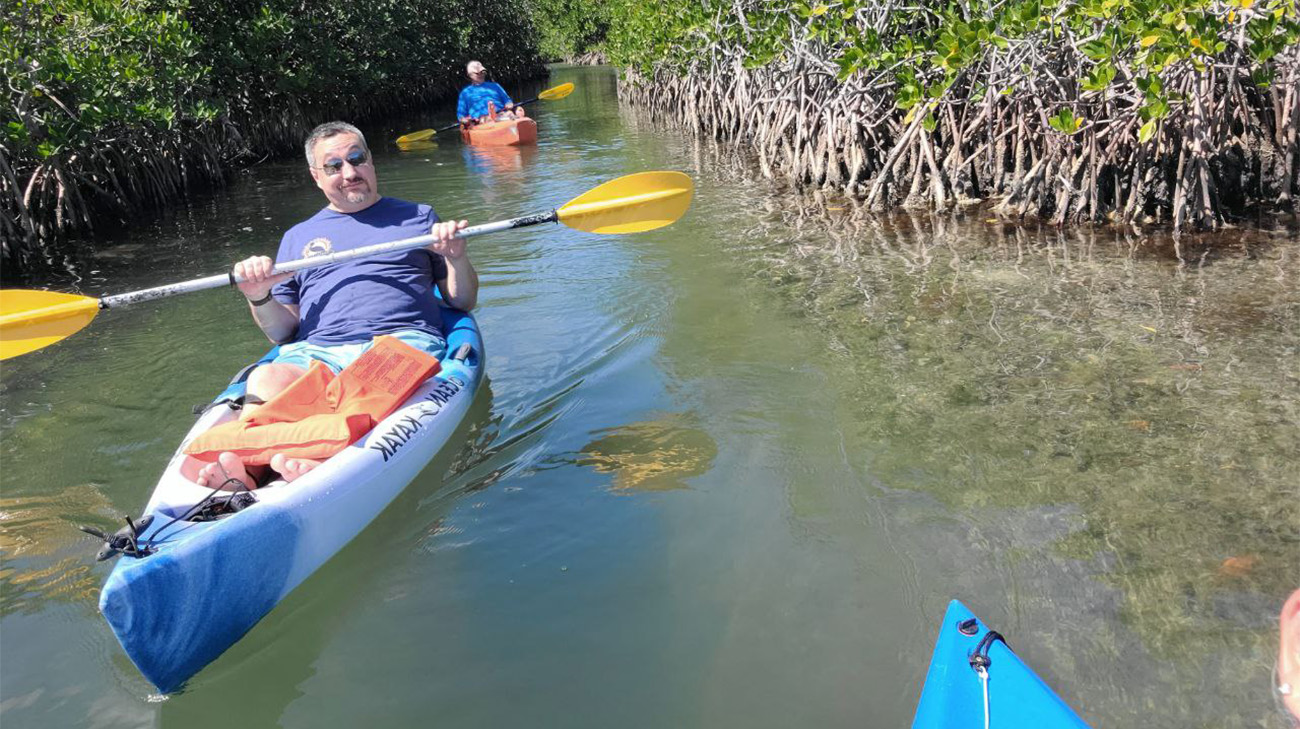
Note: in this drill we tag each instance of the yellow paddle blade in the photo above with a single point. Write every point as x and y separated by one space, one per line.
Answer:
417 146
559 92
30 320
421 136
630 204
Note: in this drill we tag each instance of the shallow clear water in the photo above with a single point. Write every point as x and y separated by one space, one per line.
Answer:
727 473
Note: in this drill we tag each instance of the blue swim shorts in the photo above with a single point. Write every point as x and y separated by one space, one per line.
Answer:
338 356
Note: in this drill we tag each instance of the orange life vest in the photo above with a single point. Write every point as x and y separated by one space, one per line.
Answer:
319 414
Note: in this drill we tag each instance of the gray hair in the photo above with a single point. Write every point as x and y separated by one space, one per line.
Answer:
327 130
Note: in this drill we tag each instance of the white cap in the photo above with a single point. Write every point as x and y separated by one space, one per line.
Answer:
474 67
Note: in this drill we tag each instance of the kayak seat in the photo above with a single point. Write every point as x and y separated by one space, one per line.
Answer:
234 402
320 414
233 396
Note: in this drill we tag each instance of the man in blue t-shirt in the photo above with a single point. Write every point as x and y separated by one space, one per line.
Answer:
333 313
472 106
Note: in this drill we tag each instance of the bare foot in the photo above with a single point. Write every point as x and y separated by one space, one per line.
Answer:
1288 660
291 469
219 474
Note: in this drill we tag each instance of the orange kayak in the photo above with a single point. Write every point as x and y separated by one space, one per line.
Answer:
502 133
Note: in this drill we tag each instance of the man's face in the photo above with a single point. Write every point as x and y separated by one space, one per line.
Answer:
478 77
340 173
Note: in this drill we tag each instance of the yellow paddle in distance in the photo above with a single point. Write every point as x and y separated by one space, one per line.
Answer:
424 135
31 320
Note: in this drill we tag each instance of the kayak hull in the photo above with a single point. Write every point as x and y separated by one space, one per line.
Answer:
205 584
502 133
954 693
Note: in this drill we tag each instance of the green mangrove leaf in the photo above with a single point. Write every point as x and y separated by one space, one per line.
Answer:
1099 78
1096 50
1065 122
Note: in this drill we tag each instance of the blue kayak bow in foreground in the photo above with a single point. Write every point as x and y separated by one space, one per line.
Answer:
975 680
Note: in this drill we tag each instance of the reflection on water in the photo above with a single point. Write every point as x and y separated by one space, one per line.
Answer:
1153 384
423 146
659 455
491 160
45 556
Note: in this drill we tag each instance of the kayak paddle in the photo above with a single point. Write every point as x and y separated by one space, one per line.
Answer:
31 320
551 94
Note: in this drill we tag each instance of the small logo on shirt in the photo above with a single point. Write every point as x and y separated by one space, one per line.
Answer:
317 247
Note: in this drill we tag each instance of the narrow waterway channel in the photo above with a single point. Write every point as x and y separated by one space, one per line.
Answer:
725 474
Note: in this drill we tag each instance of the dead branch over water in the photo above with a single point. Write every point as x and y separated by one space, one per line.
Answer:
1227 146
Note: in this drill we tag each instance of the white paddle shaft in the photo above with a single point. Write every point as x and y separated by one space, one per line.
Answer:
230 279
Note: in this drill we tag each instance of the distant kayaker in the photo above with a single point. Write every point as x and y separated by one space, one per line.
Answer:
472 107
333 313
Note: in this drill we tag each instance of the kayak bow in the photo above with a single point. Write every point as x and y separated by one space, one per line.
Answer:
975 680
503 133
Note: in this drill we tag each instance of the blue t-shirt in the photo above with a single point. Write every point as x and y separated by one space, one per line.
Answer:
475 97
357 300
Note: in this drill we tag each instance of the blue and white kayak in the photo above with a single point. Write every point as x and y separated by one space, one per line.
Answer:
193 588
975 680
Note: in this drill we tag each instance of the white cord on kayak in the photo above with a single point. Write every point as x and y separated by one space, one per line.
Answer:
984 679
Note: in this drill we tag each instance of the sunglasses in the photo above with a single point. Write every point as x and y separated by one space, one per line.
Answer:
356 158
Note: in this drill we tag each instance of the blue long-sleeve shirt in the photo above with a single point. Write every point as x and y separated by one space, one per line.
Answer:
475 97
